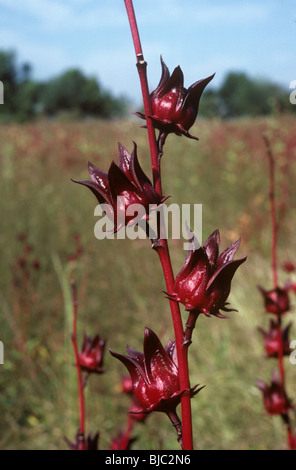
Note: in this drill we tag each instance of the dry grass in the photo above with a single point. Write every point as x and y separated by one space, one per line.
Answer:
120 282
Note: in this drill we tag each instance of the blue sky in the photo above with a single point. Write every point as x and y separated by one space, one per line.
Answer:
202 36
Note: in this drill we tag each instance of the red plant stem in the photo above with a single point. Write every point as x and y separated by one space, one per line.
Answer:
290 437
78 369
182 350
274 227
162 249
129 427
281 351
141 66
274 224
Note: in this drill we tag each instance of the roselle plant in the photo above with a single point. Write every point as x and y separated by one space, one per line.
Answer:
160 374
89 361
276 339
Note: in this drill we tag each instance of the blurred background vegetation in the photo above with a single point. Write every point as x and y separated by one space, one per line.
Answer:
72 94
69 95
47 239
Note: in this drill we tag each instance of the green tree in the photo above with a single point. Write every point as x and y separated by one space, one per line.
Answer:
73 91
8 75
240 95
70 92
27 98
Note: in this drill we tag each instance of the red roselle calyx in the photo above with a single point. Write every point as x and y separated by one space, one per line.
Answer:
154 374
175 108
275 399
92 355
276 340
276 300
203 284
122 187
289 267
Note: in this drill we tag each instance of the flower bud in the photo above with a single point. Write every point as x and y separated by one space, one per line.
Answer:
154 375
121 187
275 398
175 108
276 300
289 267
276 339
204 282
92 355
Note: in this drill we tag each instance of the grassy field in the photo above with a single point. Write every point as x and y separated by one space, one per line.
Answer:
45 218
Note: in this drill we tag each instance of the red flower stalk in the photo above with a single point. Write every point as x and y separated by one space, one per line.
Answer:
80 443
92 355
203 284
154 375
175 108
121 187
276 340
275 399
276 300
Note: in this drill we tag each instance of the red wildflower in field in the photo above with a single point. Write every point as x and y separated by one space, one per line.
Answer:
154 375
276 339
92 355
121 187
289 267
203 284
276 300
174 107
275 399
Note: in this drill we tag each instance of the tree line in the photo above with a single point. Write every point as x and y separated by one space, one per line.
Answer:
73 94
240 95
